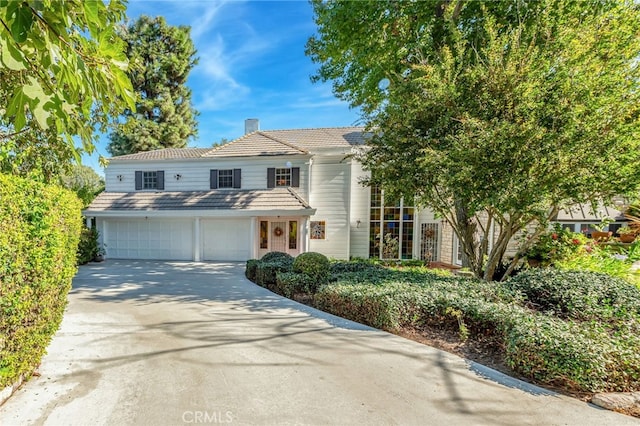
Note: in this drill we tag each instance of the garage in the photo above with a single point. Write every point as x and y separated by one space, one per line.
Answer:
226 239
163 239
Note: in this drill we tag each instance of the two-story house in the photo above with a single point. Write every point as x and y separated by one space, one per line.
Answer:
282 190
285 190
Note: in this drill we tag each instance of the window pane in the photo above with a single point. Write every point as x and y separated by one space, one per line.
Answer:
374 234
283 177
225 178
149 180
407 240
293 235
264 234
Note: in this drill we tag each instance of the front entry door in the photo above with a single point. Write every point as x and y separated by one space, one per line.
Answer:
279 235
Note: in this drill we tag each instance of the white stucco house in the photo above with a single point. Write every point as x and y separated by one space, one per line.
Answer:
281 190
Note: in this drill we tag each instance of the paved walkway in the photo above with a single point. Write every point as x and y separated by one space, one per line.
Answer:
170 343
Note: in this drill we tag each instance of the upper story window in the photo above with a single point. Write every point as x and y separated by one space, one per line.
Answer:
283 177
225 178
149 179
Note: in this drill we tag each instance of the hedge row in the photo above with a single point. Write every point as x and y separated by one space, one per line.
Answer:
577 330
39 232
283 274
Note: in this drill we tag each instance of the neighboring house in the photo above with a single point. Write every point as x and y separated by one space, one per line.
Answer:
284 190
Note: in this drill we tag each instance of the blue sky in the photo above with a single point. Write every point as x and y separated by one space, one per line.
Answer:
251 65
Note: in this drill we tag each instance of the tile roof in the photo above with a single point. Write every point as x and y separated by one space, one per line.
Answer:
260 199
311 139
264 143
255 144
165 154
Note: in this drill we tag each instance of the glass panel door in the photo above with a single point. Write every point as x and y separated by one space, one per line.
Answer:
279 236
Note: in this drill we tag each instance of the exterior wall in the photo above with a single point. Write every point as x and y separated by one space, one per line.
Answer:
330 180
360 211
195 172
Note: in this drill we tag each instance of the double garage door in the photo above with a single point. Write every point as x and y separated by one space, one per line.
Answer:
174 239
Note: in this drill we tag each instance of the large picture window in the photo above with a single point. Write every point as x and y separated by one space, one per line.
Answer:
391 230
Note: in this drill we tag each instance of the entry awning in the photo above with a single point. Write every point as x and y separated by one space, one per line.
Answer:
258 202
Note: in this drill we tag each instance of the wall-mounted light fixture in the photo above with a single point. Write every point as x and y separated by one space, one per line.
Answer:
358 222
120 177
288 165
177 177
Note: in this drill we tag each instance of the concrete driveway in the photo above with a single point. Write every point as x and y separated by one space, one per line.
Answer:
170 343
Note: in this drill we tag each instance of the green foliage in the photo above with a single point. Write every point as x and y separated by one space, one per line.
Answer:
277 256
162 57
39 232
578 356
315 266
251 269
603 260
266 272
558 244
63 73
84 181
493 114
579 330
88 245
577 294
290 283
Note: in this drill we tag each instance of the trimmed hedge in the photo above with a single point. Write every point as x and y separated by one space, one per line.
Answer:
315 266
39 233
251 269
601 354
580 295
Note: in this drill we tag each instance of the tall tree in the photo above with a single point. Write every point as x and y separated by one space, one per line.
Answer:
162 57
493 114
84 181
62 75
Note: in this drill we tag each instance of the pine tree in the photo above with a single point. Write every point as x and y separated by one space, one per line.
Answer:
161 56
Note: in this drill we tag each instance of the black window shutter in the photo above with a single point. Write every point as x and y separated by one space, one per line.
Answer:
160 179
236 178
295 177
138 180
271 177
213 179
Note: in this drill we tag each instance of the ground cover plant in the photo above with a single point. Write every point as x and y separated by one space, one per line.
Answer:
576 330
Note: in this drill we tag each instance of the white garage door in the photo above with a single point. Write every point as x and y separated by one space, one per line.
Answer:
226 239
162 239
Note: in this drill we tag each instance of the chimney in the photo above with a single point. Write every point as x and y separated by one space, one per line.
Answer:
251 125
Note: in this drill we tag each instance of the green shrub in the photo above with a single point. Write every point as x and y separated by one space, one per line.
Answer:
340 267
266 271
577 294
88 245
250 271
315 265
277 256
578 356
588 356
290 283
39 233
